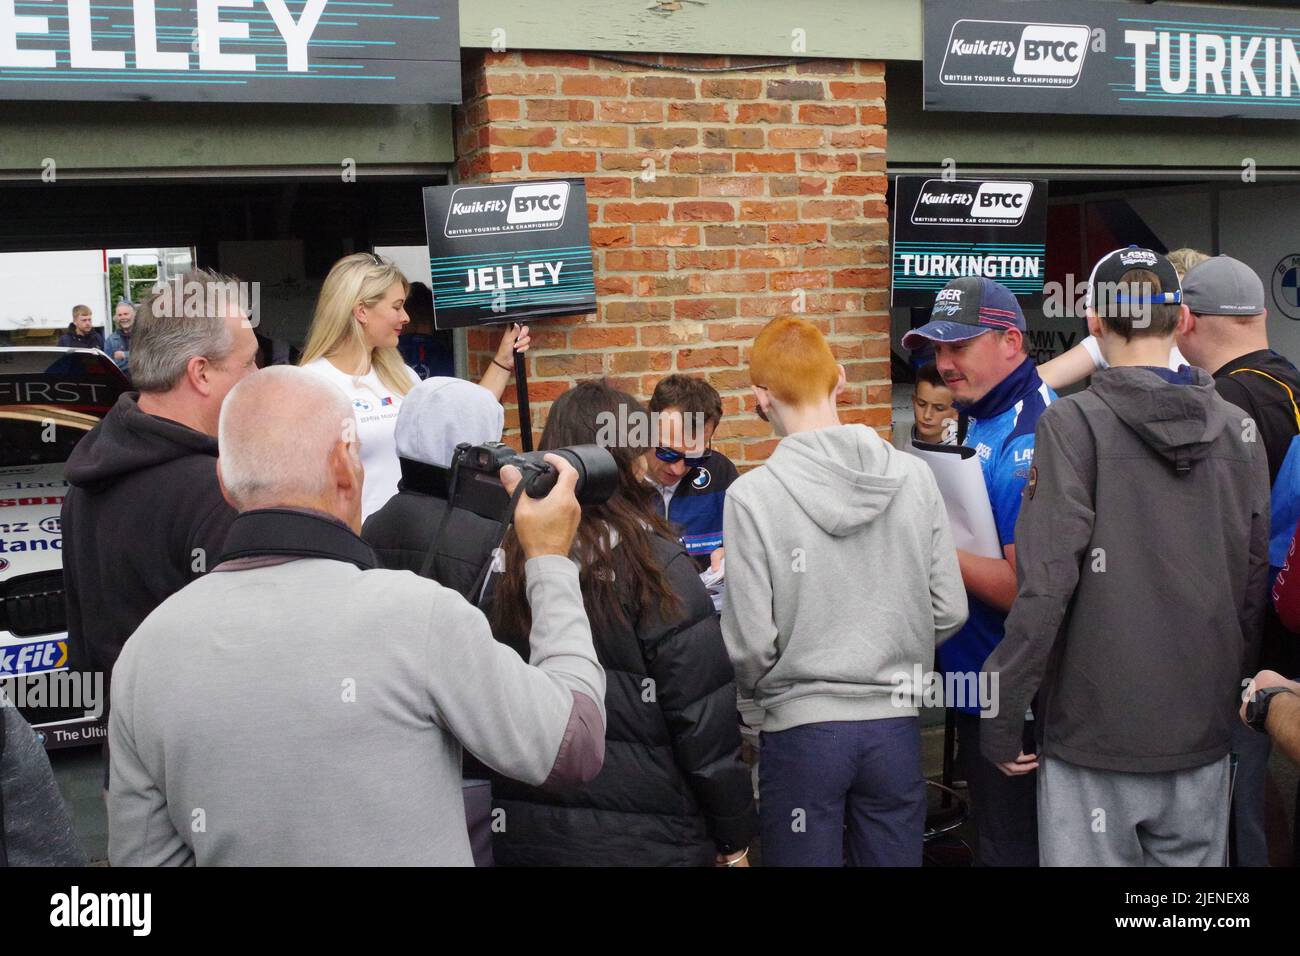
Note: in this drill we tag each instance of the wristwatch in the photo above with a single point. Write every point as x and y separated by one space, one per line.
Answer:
1257 706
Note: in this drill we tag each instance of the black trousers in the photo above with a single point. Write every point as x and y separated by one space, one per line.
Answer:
1004 809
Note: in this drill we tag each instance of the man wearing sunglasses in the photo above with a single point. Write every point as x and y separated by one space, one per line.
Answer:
690 477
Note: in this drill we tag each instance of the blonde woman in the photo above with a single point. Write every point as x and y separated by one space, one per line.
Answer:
353 343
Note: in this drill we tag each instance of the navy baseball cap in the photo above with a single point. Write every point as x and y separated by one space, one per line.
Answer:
966 307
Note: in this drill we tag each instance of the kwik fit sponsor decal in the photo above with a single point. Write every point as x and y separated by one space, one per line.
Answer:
972 202
1004 53
1110 58
944 229
509 252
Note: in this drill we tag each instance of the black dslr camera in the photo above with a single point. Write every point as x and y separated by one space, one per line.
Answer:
477 475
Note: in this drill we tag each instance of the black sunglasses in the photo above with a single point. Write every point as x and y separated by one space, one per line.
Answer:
672 457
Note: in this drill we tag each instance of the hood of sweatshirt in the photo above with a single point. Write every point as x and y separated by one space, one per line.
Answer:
842 477
1178 419
128 440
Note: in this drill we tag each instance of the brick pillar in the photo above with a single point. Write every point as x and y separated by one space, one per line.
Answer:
717 201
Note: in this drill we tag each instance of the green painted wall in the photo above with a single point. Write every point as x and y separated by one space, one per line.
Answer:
856 29
106 136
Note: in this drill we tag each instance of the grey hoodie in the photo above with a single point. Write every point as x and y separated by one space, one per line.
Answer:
841 576
1142 557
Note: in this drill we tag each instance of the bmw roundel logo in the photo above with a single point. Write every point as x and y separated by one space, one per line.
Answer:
1286 286
361 405
701 481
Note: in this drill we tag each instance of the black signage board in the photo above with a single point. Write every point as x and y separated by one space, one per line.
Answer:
945 228
287 51
509 252
1048 56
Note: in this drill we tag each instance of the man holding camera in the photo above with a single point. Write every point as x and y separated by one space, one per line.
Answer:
297 706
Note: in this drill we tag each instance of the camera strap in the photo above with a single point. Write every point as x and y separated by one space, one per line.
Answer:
479 590
290 532
431 559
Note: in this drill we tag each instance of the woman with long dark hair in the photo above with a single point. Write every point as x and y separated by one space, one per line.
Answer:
673 791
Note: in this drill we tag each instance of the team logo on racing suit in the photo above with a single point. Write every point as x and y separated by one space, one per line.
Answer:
701 481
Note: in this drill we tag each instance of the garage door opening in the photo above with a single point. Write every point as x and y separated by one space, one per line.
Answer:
281 234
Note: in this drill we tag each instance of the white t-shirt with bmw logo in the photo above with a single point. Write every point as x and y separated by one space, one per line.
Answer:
376 408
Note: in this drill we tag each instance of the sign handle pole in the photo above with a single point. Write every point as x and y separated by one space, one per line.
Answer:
521 393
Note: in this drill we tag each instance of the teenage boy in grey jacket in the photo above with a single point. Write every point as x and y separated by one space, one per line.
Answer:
1143 570
842 575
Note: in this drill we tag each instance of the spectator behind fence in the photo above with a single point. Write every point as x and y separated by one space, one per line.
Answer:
118 344
673 791
35 828
342 745
144 514
1136 662
81 333
842 576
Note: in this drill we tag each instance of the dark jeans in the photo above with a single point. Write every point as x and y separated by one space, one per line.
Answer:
1005 809
816 779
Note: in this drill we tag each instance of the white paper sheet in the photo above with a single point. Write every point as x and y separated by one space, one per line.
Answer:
961 482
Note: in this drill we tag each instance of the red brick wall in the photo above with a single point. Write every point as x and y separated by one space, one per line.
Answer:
717 201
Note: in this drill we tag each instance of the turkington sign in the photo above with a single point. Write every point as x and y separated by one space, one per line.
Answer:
1109 58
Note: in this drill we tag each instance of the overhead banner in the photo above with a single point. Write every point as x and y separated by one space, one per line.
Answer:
946 228
289 51
1046 56
509 252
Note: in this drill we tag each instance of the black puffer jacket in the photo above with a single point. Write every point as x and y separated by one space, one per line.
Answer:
673 788
402 531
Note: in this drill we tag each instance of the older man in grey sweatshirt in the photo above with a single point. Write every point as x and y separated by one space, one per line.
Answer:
842 575
299 706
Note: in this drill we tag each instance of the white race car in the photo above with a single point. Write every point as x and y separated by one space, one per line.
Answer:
49 399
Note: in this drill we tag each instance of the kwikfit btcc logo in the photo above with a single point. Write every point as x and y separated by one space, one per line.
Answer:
972 202
485 210
1007 53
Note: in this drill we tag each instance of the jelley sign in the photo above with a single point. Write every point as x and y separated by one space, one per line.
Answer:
509 252
401 51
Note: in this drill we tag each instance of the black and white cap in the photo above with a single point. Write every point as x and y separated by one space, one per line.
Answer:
1108 273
